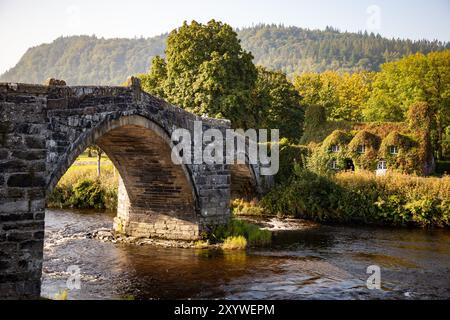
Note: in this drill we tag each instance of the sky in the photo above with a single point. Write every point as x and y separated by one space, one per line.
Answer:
27 23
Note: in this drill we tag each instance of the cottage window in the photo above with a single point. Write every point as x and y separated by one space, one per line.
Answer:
393 150
333 165
334 148
361 148
382 165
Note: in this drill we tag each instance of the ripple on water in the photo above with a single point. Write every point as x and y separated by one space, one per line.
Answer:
306 261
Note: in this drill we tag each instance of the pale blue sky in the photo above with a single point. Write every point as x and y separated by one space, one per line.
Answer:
26 23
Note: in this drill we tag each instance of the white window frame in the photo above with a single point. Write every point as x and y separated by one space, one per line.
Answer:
334 165
361 149
393 150
335 148
382 165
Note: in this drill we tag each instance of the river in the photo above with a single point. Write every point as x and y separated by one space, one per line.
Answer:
305 261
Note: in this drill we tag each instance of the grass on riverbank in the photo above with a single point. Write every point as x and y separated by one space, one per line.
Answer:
241 207
254 235
362 197
234 243
81 188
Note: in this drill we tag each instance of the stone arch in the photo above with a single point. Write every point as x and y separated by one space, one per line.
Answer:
244 182
90 137
154 191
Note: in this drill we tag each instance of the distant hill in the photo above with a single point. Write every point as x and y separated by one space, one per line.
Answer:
92 60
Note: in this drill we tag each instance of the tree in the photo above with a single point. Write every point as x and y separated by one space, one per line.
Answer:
342 95
206 71
276 104
413 79
99 152
153 82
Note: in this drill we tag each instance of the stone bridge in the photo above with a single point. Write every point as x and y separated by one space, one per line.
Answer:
43 128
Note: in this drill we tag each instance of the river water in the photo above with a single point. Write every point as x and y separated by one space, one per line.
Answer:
305 261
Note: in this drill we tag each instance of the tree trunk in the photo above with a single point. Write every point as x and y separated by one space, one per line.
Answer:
99 158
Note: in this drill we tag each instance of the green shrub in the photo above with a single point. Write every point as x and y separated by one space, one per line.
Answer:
240 207
88 194
234 243
361 197
291 155
81 188
255 236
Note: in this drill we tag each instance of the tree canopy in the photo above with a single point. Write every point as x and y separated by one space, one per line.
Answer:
416 78
207 72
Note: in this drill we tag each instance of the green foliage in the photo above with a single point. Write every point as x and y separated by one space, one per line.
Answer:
241 207
322 156
153 82
201 244
338 137
86 60
295 50
315 116
252 233
305 195
408 159
87 194
419 116
342 95
275 104
370 142
363 198
415 78
367 143
291 156
205 71
81 188
234 243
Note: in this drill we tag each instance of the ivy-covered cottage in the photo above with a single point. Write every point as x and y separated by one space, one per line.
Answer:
379 147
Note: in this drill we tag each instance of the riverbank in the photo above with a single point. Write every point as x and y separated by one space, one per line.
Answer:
362 198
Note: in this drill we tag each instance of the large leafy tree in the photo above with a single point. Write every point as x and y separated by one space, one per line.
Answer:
276 104
205 71
342 95
414 79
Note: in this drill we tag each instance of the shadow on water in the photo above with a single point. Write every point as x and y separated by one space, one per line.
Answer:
305 261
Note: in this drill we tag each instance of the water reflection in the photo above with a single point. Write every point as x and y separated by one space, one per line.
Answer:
312 262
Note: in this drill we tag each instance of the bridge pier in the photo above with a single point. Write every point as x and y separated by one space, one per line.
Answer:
138 221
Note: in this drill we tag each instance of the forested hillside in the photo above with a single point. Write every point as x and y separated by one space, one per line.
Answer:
90 60
297 50
86 60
